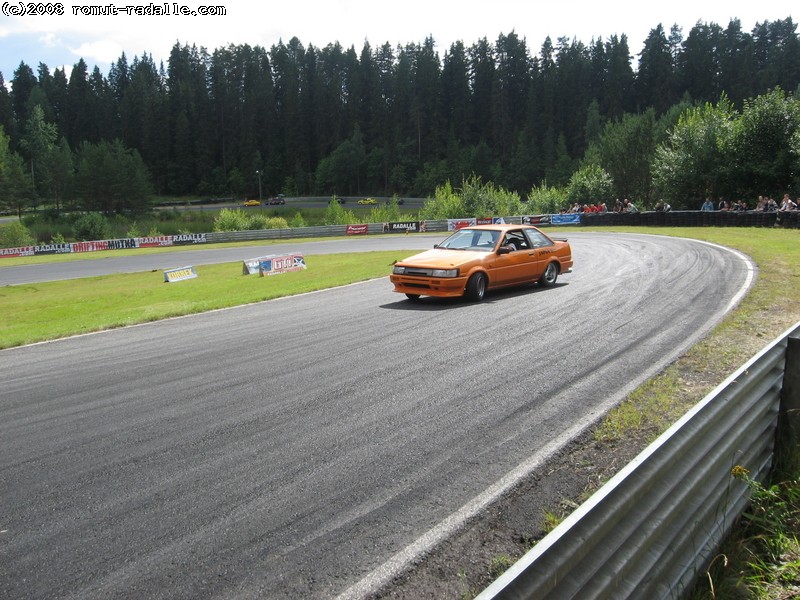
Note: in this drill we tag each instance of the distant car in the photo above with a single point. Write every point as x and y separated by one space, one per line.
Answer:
368 201
279 199
252 203
475 259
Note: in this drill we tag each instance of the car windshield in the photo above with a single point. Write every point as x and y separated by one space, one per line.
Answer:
472 239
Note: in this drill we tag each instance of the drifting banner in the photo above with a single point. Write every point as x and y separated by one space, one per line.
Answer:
96 245
179 274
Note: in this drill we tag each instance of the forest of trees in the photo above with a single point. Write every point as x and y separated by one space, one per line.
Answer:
382 121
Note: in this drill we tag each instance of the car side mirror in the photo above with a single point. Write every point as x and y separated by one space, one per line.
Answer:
504 250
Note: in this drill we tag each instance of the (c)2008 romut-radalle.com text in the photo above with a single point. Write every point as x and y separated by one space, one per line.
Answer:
162 9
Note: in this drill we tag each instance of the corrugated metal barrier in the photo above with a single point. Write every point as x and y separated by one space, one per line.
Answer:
653 528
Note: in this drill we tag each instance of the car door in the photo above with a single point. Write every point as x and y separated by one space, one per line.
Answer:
541 251
517 266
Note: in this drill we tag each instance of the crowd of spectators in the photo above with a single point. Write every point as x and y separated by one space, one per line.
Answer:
764 204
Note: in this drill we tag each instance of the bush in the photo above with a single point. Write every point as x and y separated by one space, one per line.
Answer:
231 220
91 226
298 220
589 185
446 204
14 235
547 200
335 214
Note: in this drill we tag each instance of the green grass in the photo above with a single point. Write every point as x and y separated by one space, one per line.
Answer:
45 311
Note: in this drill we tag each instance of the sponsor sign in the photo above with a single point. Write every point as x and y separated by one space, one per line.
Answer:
286 263
12 252
179 274
568 219
250 266
53 249
536 220
97 245
357 229
456 224
403 227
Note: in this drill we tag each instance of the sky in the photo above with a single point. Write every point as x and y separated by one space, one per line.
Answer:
61 40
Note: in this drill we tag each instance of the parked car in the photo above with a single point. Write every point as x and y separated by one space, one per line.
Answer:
252 203
279 199
368 201
475 259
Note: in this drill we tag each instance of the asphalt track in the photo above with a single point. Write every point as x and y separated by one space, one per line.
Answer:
307 447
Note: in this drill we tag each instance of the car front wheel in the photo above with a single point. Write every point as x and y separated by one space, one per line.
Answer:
476 287
549 276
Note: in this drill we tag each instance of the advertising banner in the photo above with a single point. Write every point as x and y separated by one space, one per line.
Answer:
404 227
536 220
179 274
13 252
274 265
97 245
456 224
357 229
568 219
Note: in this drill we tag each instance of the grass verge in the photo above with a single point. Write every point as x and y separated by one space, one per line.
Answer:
46 311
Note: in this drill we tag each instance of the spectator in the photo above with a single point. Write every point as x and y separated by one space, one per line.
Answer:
787 203
708 205
629 207
772 206
662 206
761 206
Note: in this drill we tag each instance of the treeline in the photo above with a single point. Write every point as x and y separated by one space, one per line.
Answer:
382 121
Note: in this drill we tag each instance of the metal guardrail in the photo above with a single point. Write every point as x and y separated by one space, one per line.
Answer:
302 232
654 527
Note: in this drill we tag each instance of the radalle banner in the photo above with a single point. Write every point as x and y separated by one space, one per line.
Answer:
97 245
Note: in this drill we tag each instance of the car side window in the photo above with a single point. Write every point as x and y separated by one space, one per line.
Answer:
538 239
516 240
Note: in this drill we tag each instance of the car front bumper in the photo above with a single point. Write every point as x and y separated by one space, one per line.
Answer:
443 287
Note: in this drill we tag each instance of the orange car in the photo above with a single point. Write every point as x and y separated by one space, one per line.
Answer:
484 257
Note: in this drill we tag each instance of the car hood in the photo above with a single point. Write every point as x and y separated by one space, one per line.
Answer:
440 258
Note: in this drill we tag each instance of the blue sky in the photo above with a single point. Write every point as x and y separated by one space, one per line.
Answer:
100 40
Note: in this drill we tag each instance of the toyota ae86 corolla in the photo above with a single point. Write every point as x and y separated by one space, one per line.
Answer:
484 257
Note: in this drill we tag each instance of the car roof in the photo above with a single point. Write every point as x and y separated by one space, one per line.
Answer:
499 227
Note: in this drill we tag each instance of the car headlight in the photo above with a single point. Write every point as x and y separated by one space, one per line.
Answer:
444 273
398 270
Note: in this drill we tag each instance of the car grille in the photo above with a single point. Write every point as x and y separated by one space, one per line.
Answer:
418 272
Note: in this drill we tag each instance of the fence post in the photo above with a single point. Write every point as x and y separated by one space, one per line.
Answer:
789 418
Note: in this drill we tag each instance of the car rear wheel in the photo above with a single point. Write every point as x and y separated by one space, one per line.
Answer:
412 297
476 287
549 276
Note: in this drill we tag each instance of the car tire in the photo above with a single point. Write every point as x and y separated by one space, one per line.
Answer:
412 297
476 288
550 275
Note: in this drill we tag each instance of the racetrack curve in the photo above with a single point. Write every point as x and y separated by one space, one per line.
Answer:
292 448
